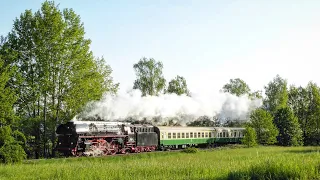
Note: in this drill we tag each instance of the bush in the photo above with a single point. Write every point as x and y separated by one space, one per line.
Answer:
11 145
190 150
250 137
11 153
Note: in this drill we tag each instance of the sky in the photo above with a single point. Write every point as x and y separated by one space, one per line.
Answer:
206 41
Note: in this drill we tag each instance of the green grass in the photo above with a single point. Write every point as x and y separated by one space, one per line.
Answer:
222 163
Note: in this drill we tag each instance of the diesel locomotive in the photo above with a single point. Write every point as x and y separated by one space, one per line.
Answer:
99 138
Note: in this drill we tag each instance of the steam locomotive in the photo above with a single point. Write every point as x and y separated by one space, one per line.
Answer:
99 138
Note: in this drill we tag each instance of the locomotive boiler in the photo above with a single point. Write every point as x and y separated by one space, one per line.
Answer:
97 138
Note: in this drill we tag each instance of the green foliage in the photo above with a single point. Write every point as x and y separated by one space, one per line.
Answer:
178 86
59 74
237 87
150 80
276 95
190 150
305 103
312 125
255 95
290 133
7 95
11 150
19 138
262 121
12 153
250 137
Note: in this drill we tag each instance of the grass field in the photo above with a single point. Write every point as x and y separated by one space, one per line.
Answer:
225 163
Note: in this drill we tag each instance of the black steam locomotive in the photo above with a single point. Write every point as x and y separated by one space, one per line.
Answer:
97 138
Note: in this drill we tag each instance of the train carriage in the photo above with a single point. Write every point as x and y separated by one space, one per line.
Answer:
181 137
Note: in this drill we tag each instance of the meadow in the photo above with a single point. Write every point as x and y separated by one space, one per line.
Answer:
218 163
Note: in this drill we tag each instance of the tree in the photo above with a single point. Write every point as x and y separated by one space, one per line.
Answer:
305 103
60 74
11 143
312 125
237 87
255 95
178 86
262 122
7 96
290 133
250 137
150 80
298 101
276 95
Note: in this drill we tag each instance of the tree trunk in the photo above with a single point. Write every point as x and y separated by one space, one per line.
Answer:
44 125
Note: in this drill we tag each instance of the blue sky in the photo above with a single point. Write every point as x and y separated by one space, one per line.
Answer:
206 41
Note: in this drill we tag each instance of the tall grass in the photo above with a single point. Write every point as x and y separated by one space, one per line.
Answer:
225 163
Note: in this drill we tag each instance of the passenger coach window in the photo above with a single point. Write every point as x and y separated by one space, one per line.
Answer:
187 135
206 134
169 135
191 135
235 134
210 134
195 135
161 135
203 134
178 135
182 135
199 135
174 136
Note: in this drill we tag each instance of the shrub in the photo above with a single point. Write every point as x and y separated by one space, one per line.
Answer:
11 153
250 137
11 145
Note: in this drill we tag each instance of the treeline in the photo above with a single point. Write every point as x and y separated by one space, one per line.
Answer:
289 115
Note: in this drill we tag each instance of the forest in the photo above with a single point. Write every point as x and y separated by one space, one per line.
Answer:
48 74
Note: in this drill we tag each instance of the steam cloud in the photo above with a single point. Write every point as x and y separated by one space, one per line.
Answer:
182 108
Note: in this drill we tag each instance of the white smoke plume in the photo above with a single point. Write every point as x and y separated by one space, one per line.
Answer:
182 108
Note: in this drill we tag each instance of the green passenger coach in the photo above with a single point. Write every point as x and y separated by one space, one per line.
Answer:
181 137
